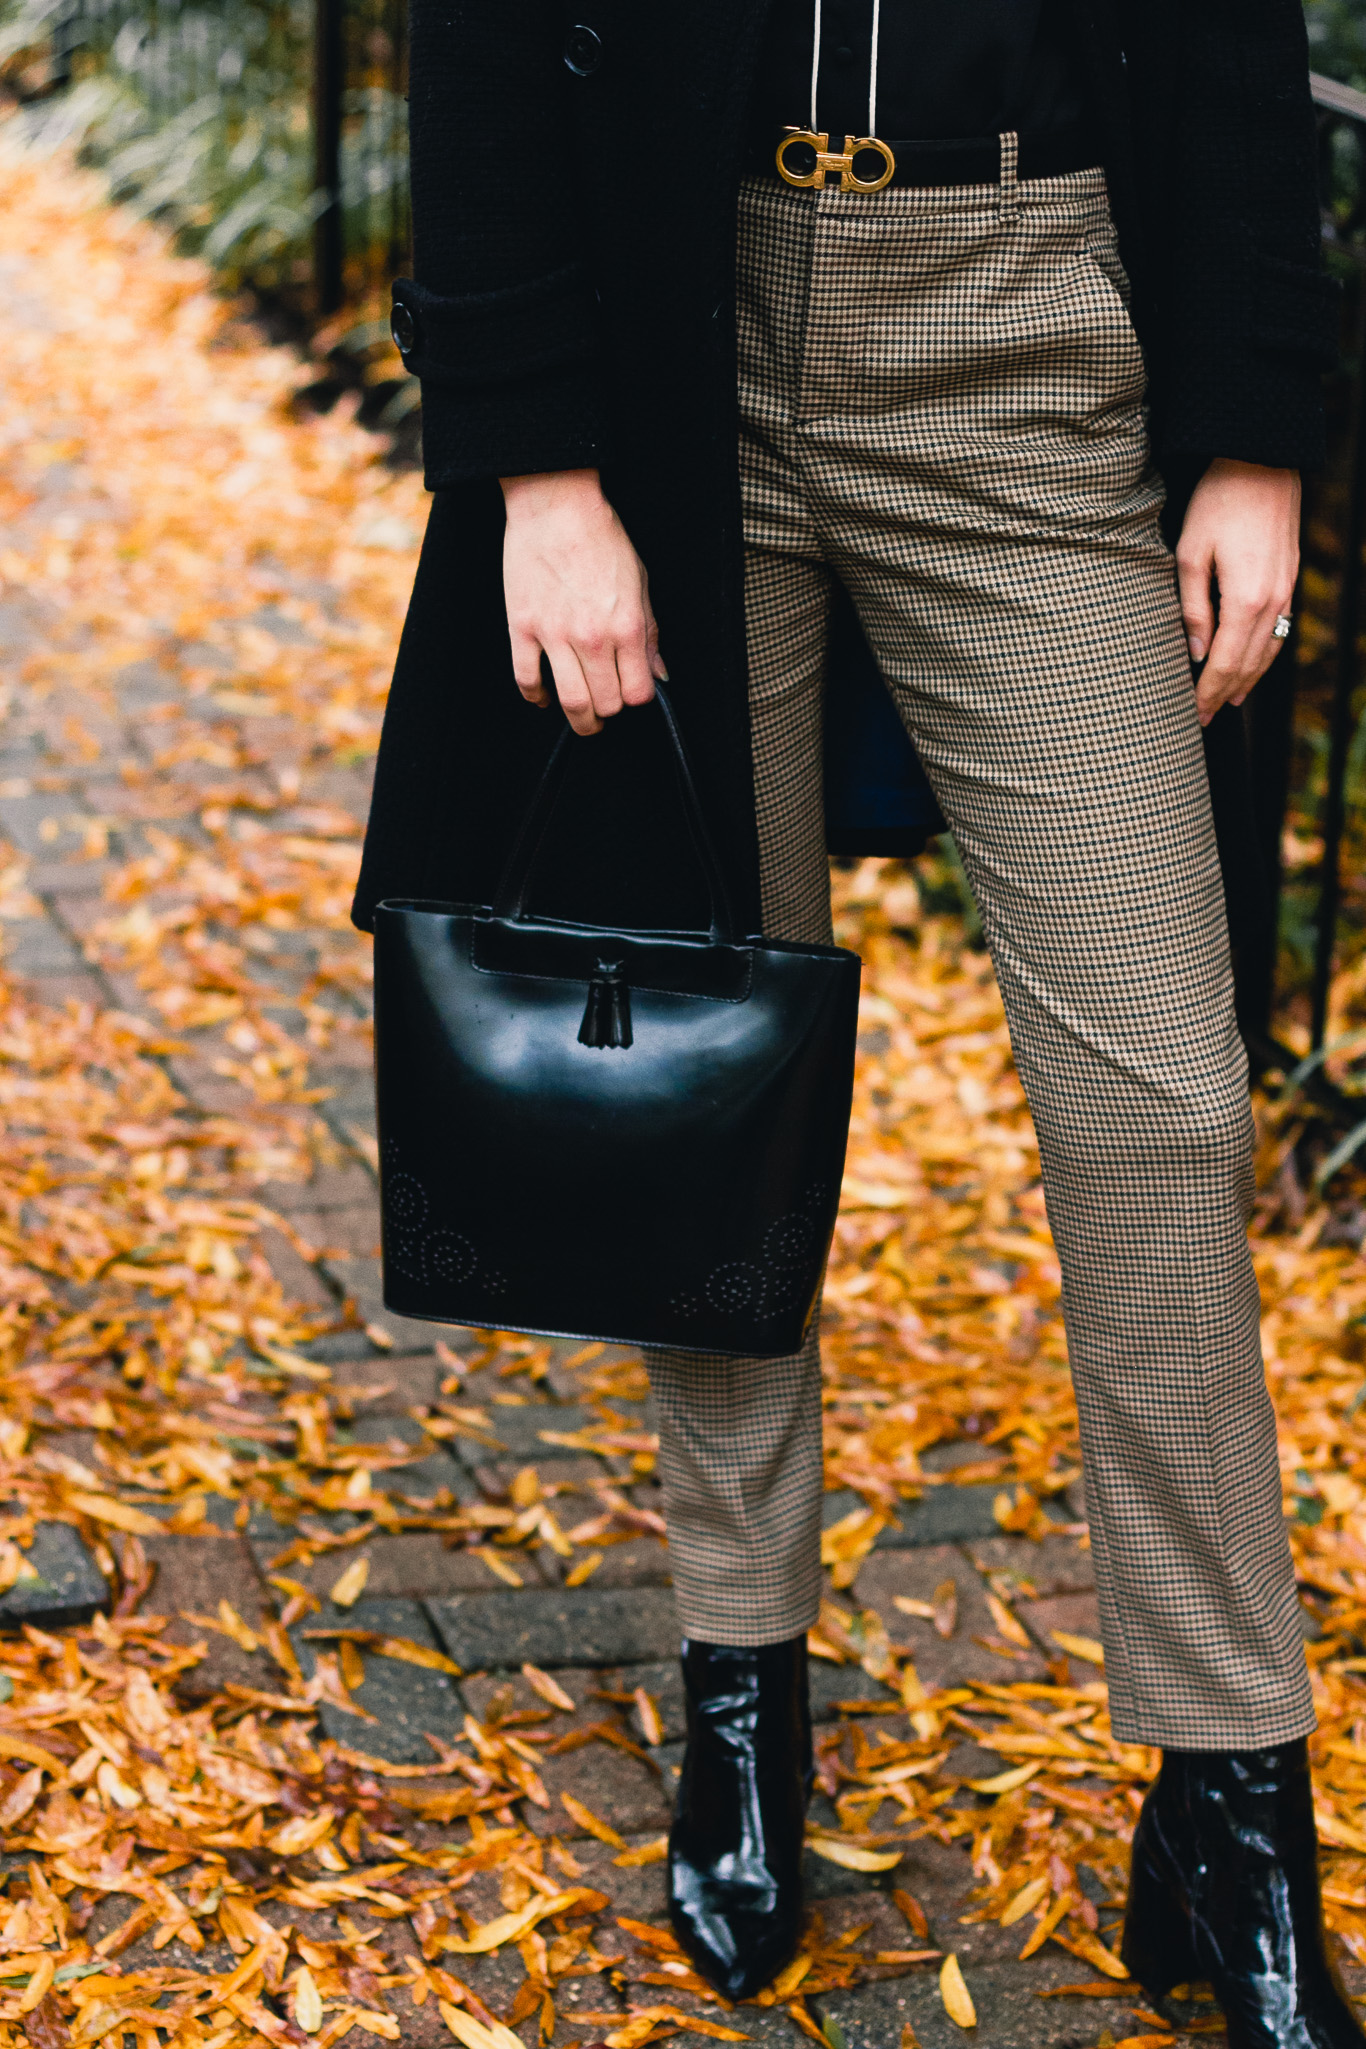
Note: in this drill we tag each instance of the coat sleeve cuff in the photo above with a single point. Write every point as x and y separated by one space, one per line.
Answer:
1251 390
551 422
1266 408
481 340
510 379
1285 431
1296 313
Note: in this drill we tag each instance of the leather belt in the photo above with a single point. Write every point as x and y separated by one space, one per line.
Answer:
972 162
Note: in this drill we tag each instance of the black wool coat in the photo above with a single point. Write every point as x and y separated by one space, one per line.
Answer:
574 172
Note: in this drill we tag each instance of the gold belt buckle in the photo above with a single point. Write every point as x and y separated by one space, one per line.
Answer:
833 160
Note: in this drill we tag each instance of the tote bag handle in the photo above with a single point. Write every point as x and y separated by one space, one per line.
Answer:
510 900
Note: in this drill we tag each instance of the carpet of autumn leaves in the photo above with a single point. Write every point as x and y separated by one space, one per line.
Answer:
136 1306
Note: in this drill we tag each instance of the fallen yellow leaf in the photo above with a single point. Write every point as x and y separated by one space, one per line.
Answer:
835 1850
119 1515
351 1585
945 1616
401 1649
914 1912
1006 1782
30 1753
1084 1647
473 2033
645 1853
525 1488
1063 1904
115 1787
20 1798
1007 1622
1022 1902
549 1689
385 2025
788 1979
1333 1830
233 1625
594 1823
635 2032
507 1927
302 1832
955 1995
641 2025
924 1720
650 1723
1093 1951
502 1570
39 1984
404 1651
308 2005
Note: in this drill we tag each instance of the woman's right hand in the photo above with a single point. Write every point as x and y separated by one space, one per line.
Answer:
578 594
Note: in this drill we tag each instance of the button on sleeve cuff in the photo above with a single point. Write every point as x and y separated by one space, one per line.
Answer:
485 339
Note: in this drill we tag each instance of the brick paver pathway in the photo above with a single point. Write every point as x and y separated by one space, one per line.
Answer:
81 797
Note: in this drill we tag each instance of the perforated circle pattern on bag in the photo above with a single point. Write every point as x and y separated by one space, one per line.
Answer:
753 1289
433 1256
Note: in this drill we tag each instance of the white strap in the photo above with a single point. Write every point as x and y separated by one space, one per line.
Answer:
872 66
815 65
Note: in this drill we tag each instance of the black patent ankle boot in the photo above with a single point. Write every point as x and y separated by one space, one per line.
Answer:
1225 1887
735 1849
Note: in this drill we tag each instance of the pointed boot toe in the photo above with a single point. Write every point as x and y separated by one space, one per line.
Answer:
738 1937
735 1850
1224 1886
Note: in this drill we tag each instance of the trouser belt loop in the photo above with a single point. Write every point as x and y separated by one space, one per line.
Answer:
1010 179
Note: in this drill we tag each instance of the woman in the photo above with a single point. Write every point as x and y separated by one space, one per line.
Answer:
942 347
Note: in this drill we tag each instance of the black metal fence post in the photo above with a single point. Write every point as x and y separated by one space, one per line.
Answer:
1271 735
1344 684
399 225
329 78
66 40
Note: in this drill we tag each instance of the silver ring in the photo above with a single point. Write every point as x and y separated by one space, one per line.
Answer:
1281 630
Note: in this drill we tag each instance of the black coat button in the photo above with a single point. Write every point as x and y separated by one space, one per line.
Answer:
403 328
583 50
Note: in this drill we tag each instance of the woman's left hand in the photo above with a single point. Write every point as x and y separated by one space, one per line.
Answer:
1240 551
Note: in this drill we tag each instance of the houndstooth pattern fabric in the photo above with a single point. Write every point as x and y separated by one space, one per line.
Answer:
740 1465
941 402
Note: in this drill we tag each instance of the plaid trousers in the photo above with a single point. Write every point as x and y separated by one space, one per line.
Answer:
942 405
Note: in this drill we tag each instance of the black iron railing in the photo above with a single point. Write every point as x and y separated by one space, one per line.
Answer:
272 133
361 147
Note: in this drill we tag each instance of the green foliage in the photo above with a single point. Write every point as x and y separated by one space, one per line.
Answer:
1337 39
199 112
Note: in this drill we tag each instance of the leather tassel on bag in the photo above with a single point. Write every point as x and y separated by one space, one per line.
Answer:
607 1013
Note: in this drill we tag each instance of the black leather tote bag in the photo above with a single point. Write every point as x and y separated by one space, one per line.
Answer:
633 1136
